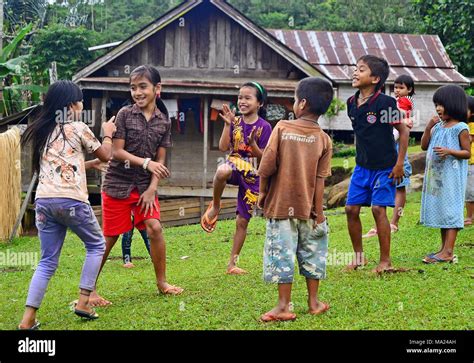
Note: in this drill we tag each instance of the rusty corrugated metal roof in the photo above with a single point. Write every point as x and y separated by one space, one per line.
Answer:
335 53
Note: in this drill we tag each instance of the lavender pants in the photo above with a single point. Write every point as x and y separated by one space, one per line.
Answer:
53 217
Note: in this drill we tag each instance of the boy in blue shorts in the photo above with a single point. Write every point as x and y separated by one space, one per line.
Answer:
292 170
378 166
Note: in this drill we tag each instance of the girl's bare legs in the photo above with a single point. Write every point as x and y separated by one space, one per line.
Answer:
158 254
223 173
400 201
449 240
239 239
95 299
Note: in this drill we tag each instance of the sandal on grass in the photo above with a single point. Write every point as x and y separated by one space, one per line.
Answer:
268 317
35 326
433 259
209 225
92 315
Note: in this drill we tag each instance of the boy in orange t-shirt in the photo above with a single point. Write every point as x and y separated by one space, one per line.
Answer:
292 170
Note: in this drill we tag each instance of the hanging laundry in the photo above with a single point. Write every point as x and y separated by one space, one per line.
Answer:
172 107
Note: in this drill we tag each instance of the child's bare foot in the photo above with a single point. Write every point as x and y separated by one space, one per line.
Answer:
168 289
84 307
382 267
371 233
128 265
318 308
278 314
95 300
355 264
213 212
234 270
27 324
468 222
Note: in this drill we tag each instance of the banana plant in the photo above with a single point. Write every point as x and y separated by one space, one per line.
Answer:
12 70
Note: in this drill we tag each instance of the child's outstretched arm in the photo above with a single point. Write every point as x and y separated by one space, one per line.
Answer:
104 152
425 139
397 172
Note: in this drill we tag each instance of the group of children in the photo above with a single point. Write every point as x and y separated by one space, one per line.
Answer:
288 184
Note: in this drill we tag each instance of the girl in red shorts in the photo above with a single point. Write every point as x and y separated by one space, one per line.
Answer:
139 153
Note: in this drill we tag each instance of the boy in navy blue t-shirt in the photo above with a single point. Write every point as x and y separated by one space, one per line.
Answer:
378 166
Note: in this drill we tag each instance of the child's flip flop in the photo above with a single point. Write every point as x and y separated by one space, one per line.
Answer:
432 259
209 225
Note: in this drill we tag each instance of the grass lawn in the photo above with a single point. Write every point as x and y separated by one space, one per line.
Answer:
427 297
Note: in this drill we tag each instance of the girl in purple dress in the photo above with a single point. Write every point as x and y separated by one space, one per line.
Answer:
244 137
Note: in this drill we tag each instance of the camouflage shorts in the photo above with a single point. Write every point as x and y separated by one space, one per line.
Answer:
287 238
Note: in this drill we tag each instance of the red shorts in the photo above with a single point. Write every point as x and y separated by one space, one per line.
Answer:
117 214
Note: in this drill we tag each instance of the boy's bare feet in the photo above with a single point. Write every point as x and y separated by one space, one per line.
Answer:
234 270
382 267
96 300
355 264
128 265
168 289
318 308
278 314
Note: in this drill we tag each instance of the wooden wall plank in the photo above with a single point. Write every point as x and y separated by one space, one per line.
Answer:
221 43
169 47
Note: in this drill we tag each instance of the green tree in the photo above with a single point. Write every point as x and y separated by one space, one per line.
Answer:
16 90
67 47
455 28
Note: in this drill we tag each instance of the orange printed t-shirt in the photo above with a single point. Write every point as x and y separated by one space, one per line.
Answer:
296 154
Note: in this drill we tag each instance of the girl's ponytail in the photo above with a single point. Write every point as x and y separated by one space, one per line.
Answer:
161 106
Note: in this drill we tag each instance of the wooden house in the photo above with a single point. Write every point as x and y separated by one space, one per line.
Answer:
206 49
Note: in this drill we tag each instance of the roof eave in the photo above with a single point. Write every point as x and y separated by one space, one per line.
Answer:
268 39
136 38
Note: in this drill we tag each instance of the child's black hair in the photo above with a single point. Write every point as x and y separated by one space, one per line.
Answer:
317 92
261 97
378 68
470 106
454 101
152 74
59 97
407 81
